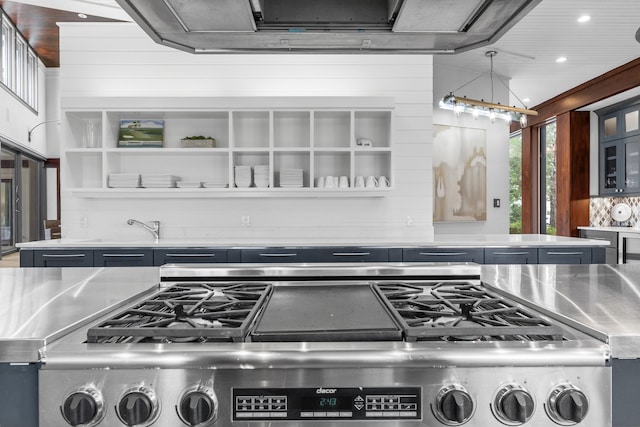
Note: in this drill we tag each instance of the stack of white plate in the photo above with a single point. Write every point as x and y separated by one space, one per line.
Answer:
291 178
124 180
159 181
261 176
189 184
242 176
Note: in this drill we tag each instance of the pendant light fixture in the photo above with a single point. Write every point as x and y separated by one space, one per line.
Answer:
494 111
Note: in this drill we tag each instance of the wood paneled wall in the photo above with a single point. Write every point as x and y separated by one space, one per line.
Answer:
573 130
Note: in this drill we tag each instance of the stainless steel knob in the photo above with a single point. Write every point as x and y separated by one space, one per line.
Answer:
83 407
138 406
454 406
513 405
197 406
567 405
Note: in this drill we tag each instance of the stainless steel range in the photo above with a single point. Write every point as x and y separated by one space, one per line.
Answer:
325 345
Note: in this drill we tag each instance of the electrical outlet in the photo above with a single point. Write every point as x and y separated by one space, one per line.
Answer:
496 203
246 220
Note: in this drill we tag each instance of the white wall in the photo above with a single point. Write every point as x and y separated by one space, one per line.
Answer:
447 79
16 119
114 59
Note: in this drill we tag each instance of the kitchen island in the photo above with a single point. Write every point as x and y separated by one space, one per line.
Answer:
481 249
48 304
601 300
39 306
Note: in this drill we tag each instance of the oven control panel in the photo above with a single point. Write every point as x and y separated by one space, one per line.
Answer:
326 403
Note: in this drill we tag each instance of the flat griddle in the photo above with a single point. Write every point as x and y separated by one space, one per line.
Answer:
352 312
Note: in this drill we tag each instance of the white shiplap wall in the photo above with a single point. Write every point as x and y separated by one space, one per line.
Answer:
118 59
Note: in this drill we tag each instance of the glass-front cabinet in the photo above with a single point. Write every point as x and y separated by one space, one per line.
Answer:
619 131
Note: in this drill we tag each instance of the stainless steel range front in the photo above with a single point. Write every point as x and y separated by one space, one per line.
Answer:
325 345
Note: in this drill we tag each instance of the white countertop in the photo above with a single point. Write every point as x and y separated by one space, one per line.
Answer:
615 229
448 240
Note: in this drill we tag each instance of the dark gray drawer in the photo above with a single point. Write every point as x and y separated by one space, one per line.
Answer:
443 255
63 258
274 255
188 256
347 254
564 255
134 257
511 256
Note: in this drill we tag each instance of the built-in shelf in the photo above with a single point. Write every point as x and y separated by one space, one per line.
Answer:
317 135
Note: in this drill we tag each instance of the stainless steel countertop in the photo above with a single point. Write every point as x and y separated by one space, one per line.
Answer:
601 300
41 304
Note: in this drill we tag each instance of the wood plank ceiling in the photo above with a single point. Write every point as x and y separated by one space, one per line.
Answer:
38 26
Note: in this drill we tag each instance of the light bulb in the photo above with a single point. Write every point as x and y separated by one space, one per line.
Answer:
523 120
475 112
458 109
492 116
508 117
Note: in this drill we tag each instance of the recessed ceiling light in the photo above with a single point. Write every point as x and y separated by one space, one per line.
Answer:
584 18
82 15
561 59
526 100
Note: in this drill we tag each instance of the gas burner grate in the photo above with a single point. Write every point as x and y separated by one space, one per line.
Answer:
463 311
186 312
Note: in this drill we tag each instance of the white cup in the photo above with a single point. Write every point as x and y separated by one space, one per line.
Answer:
360 182
320 182
344 182
383 182
330 182
371 182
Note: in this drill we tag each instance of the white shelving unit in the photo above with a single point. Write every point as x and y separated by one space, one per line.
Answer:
317 135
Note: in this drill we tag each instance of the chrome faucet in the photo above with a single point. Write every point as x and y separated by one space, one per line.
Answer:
154 228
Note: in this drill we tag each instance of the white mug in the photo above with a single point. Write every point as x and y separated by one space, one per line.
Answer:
371 182
329 182
360 182
344 182
383 181
320 182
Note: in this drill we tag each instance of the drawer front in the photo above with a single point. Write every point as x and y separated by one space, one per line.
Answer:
347 254
443 255
188 256
511 256
123 258
564 255
63 258
273 255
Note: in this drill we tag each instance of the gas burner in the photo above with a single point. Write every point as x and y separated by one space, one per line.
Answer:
463 311
186 312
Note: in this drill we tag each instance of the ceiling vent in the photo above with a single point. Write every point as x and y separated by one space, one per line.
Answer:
331 26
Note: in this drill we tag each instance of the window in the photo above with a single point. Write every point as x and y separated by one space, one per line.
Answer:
6 48
515 183
19 64
21 49
548 173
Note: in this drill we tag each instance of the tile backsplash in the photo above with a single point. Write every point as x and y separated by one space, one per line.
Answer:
600 211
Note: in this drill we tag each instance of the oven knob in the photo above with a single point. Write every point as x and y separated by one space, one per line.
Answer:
197 406
138 407
83 407
567 405
454 405
514 405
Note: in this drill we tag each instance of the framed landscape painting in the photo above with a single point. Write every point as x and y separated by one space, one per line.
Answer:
459 174
141 133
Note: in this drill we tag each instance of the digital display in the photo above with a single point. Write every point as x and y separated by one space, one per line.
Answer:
326 403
